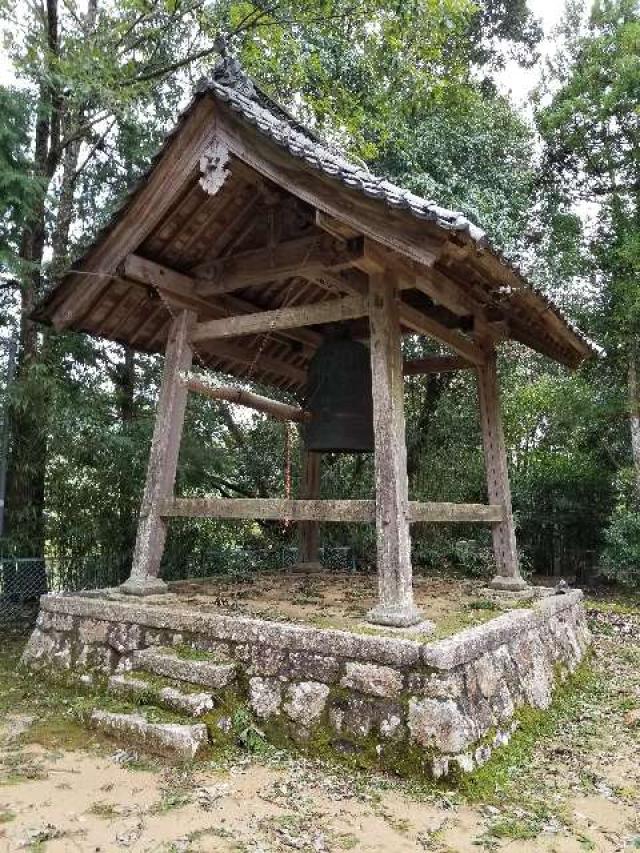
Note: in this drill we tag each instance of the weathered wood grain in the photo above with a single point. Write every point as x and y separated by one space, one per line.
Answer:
163 460
333 310
309 531
274 509
284 260
498 488
395 587
445 513
278 410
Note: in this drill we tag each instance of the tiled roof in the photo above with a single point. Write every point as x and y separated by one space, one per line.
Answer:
231 85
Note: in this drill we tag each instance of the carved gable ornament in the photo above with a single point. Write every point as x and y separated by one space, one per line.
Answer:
213 167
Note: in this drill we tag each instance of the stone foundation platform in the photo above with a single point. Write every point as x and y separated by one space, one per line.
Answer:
384 701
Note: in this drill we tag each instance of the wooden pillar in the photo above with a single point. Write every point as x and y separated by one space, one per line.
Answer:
309 531
395 587
163 460
504 539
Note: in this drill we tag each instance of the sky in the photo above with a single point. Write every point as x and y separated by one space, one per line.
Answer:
520 81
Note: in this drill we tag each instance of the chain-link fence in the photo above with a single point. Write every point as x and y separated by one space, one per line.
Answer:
24 580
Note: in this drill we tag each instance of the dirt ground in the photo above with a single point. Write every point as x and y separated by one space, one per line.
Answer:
338 600
570 781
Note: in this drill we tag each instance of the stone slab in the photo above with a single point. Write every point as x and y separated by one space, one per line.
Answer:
192 704
209 674
170 739
322 641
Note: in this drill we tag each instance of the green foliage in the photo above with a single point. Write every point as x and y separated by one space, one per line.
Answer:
621 555
408 88
18 189
621 558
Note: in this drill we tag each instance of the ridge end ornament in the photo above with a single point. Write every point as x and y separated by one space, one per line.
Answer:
214 167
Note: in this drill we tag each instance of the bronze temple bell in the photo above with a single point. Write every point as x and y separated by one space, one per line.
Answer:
339 396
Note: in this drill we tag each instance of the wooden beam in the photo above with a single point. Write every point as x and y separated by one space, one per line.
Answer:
278 410
435 364
180 289
309 531
395 587
281 261
163 461
397 229
504 538
274 509
441 289
425 325
355 282
446 513
306 510
333 310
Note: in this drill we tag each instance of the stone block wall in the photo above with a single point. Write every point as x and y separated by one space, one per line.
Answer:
384 701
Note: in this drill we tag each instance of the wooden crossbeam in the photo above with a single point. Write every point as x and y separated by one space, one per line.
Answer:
353 281
333 310
425 325
273 509
272 263
281 411
276 509
180 289
442 512
435 364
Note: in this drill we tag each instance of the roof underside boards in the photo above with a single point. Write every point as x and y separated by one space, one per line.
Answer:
285 196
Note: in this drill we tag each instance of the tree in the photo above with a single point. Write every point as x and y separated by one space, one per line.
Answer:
591 128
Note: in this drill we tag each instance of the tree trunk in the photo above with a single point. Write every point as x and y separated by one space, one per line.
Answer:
634 415
125 381
30 404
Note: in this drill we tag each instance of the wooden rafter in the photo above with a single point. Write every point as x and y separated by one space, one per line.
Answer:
173 172
394 228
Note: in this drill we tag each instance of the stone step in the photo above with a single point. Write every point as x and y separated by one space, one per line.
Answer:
170 739
167 663
140 690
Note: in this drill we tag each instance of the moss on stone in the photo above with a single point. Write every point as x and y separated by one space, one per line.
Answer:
533 724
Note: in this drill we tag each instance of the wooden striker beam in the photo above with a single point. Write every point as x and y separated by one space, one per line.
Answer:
278 410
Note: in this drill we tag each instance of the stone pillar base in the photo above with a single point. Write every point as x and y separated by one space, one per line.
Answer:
395 617
508 584
311 567
143 586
